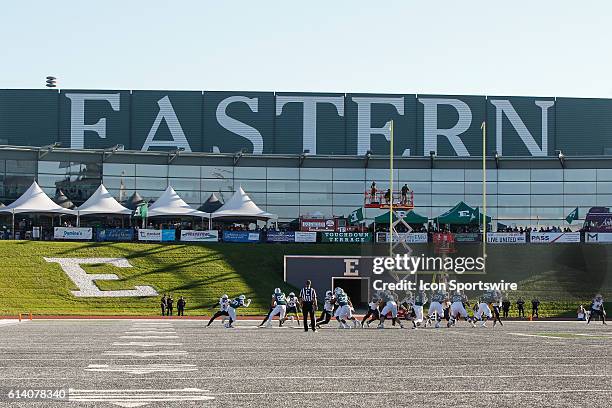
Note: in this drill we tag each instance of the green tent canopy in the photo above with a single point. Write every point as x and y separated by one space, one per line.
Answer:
461 214
411 218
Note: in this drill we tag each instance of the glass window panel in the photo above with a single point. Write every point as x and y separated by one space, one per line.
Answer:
251 186
118 169
581 200
15 185
250 172
579 188
448 175
340 210
604 187
283 186
184 171
185 184
604 174
580 175
447 200
217 185
547 213
476 188
315 199
513 213
547 175
306 210
51 167
21 166
150 195
315 186
191 197
283 173
121 195
355 200
475 200
218 172
412 175
355 187
475 175
2 166
547 187
604 200
315 174
513 201
447 187
283 199
48 180
349 174
420 187
380 175
513 175
422 200
151 183
513 188
539 200
152 170
285 212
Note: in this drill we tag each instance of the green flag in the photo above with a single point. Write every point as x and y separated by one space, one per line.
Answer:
572 216
142 210
356 216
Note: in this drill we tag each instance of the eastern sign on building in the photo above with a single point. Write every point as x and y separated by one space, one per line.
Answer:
315 123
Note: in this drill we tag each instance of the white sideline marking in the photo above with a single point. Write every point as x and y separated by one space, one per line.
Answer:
151 332
541 337
148 337
134 353
141 369
471 391
138 398
147 344
6 322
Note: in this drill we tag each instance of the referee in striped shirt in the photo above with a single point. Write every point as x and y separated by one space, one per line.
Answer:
308 301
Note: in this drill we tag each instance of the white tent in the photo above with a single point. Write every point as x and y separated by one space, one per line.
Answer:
241 206
34 200
101 202
169 203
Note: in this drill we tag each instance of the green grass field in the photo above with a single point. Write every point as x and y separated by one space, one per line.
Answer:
200 273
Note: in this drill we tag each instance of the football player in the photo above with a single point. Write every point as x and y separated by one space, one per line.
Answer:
279 302
390 306
345 309
233 306
458 302
223 304
597 308
372 313
417 306
328 309
436 311
482 308
292 308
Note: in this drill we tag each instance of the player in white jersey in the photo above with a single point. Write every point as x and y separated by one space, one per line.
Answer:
223 304
390 306
345 309
482 309
417 306
457 309
233 306
597 309
328 309
279 304
436 310
373 312
292 308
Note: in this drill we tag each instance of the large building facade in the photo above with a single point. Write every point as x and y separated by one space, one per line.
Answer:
300 153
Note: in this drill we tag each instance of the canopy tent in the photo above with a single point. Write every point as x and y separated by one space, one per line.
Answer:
461 214
134 201
170 204
63 201
34 200
101 202
241 207
411 218
211 205
2 205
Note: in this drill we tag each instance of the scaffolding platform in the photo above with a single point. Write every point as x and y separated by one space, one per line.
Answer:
380 200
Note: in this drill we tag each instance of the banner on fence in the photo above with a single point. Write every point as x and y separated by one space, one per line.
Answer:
316 224
467 237
280 236
241 236
115 234
407 237
72 233
604 237
200 236
346 237
554 237
301 236
506 237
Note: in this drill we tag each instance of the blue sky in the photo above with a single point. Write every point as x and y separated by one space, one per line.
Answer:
540 48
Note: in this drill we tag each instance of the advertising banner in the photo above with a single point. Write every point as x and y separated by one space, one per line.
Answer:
241 236
316 224
115 234
149 235
280 236
72 233
168 235
506 238
301 236
407 237
200 236
604 237
554 237
346 237
467 237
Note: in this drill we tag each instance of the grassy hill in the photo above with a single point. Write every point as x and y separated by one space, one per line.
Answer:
202 272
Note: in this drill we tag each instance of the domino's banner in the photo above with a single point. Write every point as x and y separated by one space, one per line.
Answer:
200 236
280 236
115 234
407 237
506 238
241 236
598 237
554 237
303 236
72 233
346 237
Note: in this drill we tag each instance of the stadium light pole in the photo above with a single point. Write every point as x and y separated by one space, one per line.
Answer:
484 193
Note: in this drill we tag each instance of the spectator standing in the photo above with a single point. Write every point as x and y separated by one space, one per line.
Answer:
169 305
373 192
180 306
388 196
308 302
405 191
520 305
163 304
535 306
505 307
